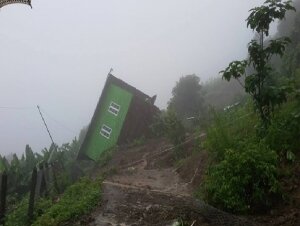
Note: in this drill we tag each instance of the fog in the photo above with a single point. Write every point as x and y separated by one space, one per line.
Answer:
58 55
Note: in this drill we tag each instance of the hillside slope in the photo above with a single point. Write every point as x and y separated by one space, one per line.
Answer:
146 186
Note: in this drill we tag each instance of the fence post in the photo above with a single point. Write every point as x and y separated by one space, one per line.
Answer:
46 175
32 195
53 166
40 188
3 190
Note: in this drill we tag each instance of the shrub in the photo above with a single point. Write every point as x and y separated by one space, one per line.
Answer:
245 181
228 129
77 200
284 131
168 124
18 216
218 138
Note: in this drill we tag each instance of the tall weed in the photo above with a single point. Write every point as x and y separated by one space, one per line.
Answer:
229 129
283 134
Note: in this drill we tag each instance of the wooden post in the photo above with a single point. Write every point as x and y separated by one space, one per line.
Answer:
43 188
3 190
32 195
40 188
47 177
53 166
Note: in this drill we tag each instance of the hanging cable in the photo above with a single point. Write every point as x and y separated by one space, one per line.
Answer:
51 154
16 108
58 122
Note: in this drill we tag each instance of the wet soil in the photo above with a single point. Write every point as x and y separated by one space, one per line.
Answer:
147 186
146 189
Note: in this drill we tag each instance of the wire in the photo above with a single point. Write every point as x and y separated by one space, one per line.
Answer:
71 131
16 108
58 122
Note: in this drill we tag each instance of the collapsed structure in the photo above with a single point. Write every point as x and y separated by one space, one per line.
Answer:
122 115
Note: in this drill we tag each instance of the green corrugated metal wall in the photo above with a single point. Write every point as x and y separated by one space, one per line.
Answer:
98 143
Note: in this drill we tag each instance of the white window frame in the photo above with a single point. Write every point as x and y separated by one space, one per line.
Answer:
106 131
114 108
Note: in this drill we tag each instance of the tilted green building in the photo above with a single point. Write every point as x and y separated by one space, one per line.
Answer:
123 114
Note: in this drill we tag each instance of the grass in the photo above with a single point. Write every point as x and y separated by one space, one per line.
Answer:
244 175
105 157
79 199
18 214
229 129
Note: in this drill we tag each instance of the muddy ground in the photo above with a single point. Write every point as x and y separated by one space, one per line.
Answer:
146 186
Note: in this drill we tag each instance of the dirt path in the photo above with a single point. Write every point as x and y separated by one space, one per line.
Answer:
146 189
142 193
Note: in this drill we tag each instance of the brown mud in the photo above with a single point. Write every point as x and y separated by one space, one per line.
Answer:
146 187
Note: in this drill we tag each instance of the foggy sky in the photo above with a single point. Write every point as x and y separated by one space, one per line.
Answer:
58 55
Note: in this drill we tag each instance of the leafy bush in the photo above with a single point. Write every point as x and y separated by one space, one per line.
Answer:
246 180
284 131
168 124
78 199
218 138
18 216
228 129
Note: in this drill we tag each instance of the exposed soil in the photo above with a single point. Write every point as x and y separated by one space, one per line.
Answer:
147 187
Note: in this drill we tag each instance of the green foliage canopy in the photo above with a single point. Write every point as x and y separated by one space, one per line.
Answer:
168 124
246 180
259 84
187 100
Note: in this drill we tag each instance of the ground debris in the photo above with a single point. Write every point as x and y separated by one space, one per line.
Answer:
147 189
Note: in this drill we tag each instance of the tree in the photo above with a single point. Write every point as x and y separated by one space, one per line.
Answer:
30 158
187 100
2 165
259 84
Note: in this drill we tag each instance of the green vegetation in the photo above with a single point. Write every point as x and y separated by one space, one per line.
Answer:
245 172
179 222
244 176
230 128
169 125
187 99
19 169
52 207
78 199
138 141
284 132
252 144
219 93
105 156
245 180
18 215
260 83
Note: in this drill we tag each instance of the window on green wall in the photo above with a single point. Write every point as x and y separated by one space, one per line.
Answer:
105 131
114 108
